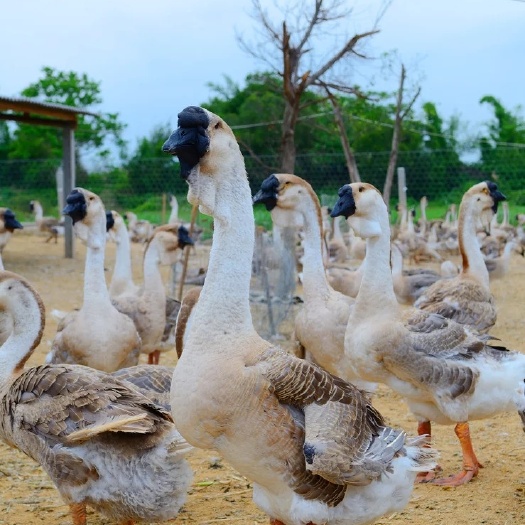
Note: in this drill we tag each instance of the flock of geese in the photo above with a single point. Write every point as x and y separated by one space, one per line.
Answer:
114 435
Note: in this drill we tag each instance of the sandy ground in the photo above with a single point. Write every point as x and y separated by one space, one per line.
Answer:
219 494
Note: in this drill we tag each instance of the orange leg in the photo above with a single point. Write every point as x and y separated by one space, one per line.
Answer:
154 357
78 513
425 428
471 465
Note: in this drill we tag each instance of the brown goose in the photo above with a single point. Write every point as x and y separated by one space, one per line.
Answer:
320 325
446 373
467 298
314 447
101 442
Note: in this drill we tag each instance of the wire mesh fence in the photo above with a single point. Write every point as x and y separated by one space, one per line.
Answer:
144 187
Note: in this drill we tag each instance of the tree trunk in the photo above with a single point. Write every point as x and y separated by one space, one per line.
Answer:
351 163
387 190
288 152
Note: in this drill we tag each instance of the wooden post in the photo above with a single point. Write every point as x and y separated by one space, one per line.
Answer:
402 187
68 164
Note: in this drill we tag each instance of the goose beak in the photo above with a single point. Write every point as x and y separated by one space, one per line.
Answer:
496 195
184 237
110 221
190 141
345 205
76 206
268 193
10 223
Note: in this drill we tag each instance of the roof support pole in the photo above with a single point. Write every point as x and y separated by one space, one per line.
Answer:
68 161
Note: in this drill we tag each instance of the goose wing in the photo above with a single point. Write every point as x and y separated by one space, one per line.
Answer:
154 382
346 441
68 404
436 355
462 300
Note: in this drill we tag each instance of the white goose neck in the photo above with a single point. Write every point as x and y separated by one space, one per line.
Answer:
472 258
39 212
152 278
224 305
376 293
95 287
122 270
28 322
315 283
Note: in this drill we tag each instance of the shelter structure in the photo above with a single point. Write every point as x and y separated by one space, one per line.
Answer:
31 111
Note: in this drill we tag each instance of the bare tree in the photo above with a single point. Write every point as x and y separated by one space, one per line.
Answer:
351 163
287 49
401 114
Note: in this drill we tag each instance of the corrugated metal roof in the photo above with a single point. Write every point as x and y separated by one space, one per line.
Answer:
31 105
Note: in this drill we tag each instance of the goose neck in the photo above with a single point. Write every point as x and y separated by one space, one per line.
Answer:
224 301
122 270
469 248
28 325
376 293
95 288
152 277
315 282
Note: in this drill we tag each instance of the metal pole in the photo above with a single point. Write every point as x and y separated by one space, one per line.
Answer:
68 163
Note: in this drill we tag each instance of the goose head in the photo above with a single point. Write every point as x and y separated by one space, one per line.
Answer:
170 238
115 226
208 155
87 213
284 195
9 220
363 207
482 202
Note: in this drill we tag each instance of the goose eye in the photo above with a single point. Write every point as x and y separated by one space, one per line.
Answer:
361 189
217 126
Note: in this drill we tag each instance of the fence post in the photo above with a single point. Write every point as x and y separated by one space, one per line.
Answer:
402 187
68 162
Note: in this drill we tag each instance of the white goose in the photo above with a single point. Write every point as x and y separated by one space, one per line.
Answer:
122 278
467 298
101 442
147 308
312 444
445 373
321 323
97 335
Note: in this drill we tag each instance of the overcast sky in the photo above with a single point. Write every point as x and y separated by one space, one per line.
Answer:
153 58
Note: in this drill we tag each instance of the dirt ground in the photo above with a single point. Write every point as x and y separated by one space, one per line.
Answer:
219 494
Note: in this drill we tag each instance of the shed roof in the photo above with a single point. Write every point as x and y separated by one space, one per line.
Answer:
55 114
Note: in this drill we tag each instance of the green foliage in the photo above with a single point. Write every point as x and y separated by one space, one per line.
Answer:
501 154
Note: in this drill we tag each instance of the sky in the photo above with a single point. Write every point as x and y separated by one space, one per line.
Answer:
153 58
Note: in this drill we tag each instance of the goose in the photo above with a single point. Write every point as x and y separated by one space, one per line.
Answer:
101 442
321 323
122 278
345 279
50 225
8 224
184 317
312 444
97 335
139 230
174 213
498 267
467 298
444 371
408 287
147 309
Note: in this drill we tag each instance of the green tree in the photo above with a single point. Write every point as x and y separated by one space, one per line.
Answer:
503 148
71 89
152 171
